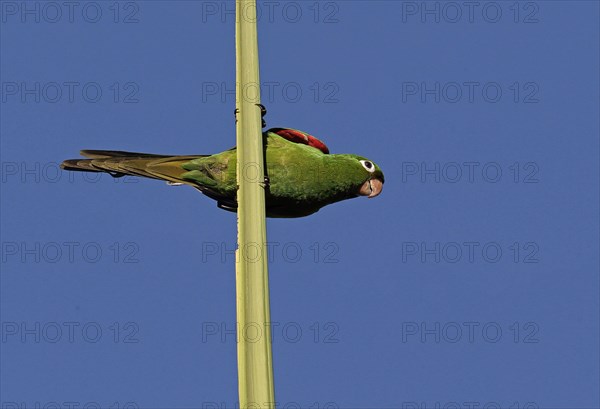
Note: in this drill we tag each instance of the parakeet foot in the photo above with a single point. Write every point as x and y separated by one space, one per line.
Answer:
263 112
266 184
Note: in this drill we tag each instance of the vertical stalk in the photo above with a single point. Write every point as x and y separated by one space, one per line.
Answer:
255 367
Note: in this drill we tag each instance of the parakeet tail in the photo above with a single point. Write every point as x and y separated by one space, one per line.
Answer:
119 163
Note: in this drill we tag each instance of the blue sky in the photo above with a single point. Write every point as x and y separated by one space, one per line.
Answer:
471 281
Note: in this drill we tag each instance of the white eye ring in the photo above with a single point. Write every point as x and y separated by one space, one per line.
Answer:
368 165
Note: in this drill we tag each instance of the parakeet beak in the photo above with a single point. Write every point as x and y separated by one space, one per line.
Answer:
371 188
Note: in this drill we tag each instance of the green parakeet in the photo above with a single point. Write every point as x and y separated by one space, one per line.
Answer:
301 176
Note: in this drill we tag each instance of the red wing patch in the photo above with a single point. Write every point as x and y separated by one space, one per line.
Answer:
295 136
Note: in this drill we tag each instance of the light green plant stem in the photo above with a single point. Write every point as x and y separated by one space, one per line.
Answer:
255 367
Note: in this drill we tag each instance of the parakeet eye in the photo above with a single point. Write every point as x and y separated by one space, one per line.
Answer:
368 165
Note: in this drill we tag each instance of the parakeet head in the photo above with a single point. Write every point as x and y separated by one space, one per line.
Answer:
368 175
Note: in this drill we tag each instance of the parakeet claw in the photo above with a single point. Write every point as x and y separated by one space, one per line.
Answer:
263 112
266 183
